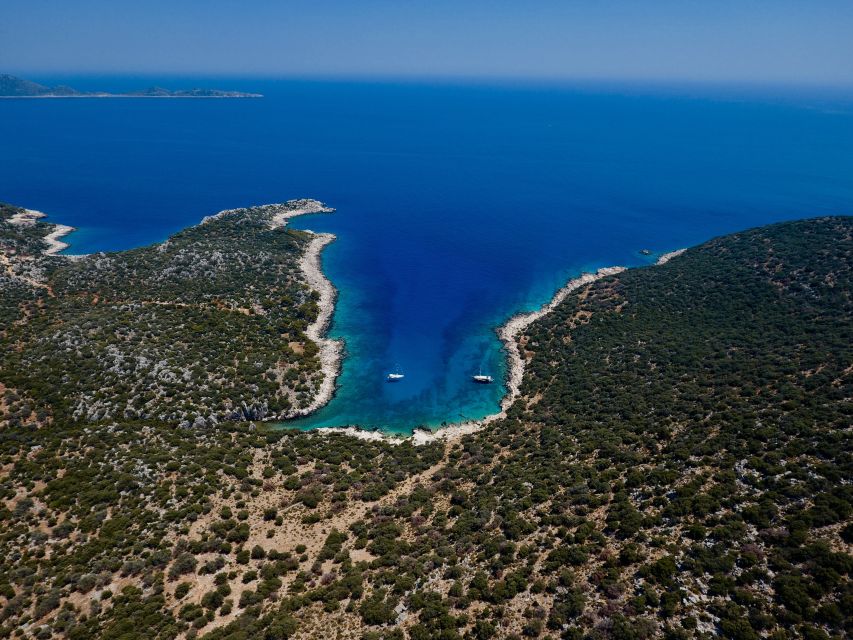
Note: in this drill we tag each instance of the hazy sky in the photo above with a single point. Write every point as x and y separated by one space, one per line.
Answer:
714 40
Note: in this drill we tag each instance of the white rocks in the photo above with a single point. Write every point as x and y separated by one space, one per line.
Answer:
330 350
513 328
26 217
52 240
669 256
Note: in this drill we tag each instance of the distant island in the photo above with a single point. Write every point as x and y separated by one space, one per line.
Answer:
14 87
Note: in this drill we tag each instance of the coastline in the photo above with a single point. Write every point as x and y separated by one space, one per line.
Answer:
512 329
52 240
54 244
509 332
666 257
330 350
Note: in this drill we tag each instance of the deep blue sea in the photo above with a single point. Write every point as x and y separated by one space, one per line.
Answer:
457 205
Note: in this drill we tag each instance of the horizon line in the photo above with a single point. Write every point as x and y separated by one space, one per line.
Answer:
417 78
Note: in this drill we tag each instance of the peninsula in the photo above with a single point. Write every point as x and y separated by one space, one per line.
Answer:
14 87
222 321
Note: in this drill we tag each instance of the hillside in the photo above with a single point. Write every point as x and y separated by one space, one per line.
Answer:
207 326
678 466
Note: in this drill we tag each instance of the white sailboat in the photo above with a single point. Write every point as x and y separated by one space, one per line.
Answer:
395 376
481 379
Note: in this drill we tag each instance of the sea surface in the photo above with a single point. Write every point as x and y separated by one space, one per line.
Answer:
457 205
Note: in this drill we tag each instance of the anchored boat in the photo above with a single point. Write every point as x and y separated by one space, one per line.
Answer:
481 379
396 376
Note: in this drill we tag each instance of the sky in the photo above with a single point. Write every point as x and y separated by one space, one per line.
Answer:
742 41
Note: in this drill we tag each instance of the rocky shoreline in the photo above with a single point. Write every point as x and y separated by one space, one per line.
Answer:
513 328
666 257
52 240
54 244
331 351
509 333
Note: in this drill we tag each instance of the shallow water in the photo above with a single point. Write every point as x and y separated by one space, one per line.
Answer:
457 206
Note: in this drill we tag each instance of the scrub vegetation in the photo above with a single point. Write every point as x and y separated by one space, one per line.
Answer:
677 466
207 326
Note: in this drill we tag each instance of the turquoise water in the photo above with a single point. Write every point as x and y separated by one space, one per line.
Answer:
457 205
